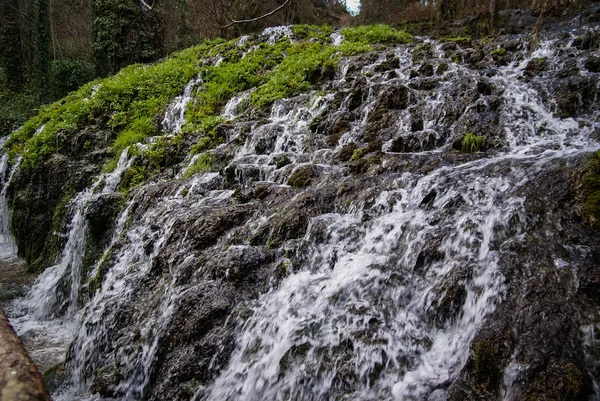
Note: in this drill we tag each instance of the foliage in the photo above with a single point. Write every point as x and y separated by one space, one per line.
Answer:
304 65
472 143
312 32
130 102
15 108
383 34
68 75
42 49
136 95
118 36
11 49
500 52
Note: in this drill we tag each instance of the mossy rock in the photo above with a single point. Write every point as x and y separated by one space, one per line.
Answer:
484 364
302 177
591 191
345 154
391 62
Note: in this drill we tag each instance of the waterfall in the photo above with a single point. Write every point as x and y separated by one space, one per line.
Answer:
53 300
207 291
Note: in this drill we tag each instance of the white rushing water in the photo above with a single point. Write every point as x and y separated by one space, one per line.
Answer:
362 306
8 249
391 289
53 301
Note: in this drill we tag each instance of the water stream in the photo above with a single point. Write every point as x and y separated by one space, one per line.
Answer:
390 289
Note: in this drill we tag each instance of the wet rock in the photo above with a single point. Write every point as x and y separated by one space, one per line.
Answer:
102 211
358 93
394 98
240 265
205 231
391 62
441 68
332 125
426 70
346 152
302 176
428 200
415 142
384 116
264 139
592 64
424 84
587 41
416 123
535 66
438 395
485 87
282 161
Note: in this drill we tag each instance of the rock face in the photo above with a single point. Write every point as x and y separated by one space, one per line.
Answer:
412 229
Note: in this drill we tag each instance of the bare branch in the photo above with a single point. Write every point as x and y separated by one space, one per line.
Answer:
18 11
234 22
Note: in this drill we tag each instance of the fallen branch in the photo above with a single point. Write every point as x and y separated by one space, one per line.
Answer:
19 377
244 21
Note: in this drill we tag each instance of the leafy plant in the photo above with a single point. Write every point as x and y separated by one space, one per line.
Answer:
472 143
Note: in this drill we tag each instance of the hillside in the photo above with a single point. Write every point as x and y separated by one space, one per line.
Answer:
310 214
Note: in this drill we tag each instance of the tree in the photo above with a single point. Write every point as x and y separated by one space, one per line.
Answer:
11 55
118 36
42 50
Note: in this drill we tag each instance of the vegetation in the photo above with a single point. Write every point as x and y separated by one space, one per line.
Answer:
591 191
472 143
302 177
203 163
129 103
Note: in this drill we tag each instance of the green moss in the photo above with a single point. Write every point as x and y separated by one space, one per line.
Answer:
500 52
382 34
358 153
484 364
591 191
321 33
304 65
149 161
472 143
203 164
351 49
302 177
457 39
131 102
133 98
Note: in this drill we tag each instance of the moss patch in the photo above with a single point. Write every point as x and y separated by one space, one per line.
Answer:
591 191
302 177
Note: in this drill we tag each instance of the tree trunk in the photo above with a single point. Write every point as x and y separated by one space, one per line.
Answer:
11 55
19 378
42 49
493 11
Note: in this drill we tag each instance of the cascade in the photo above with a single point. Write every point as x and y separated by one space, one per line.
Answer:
382 295
53 301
